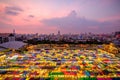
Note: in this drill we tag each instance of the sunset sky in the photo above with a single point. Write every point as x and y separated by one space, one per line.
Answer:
68 16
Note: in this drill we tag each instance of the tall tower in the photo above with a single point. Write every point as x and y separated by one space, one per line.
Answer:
58 32
58 35
14 32
11 37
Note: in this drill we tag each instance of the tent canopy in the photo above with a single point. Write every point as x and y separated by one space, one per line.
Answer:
13 44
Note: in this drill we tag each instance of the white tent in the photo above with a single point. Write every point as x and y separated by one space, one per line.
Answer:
13 44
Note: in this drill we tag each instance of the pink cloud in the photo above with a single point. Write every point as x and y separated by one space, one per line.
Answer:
110 18
56 15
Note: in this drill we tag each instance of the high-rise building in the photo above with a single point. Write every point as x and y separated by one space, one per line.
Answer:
11 37
14 32
59 33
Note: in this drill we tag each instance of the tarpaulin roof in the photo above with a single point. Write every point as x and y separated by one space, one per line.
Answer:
13 44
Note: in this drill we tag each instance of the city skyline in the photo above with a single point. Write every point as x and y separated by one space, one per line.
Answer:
68 16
